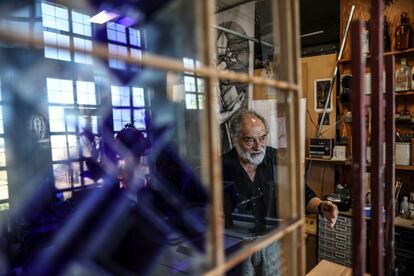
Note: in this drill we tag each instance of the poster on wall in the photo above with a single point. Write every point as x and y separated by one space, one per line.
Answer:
321 91
234 53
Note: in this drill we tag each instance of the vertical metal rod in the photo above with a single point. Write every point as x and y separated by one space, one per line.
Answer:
351 13
358 150
333 78
377 171
390 165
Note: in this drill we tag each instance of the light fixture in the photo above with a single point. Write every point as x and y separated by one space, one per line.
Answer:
103 17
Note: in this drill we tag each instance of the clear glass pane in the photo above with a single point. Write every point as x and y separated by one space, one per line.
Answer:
80 24
116 32
86 92
2 153
88 121
256 138
158 188
66 175
4 191
120 96
60 91
189 84
1 121
121 117
191 101
139 118
134 37
245 39
59 148
56 118
175 38
138 97
83 44
4 206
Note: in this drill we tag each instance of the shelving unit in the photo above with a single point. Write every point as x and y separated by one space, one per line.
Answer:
405 93
348 162
404 104
395 53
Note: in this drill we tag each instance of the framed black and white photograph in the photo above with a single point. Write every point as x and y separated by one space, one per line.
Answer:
321 91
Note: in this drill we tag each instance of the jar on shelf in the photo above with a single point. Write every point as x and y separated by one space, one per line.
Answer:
412 77
402 33
403 77
365 38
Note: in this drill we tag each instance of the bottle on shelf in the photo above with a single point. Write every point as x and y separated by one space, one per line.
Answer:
403 77
365 45
402 33
387 39
412 77
404 206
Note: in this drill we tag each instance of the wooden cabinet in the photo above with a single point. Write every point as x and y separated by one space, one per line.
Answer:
404 100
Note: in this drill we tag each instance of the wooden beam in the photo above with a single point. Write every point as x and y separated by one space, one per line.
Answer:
390 165
358 150
377 169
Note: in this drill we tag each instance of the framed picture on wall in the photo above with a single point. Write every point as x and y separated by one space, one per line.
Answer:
321 91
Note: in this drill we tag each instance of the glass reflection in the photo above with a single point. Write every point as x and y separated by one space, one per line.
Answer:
67 175
254 174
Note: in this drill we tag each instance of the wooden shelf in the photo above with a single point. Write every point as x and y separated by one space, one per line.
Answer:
341 162
349 163
404 168
399 221
409 50
405 93
396 53
403 124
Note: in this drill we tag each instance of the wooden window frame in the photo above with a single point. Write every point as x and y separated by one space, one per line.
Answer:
286 12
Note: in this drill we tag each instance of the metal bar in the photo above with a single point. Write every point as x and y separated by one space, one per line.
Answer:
390 165
358 150
333 78
377 168
312 34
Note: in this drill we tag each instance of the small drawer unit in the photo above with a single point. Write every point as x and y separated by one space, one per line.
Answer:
335 245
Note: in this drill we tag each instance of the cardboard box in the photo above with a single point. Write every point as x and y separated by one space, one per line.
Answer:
325 267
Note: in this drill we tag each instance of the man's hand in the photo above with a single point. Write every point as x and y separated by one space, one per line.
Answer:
330 212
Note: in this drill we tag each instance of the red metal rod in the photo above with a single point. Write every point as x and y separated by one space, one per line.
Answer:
358 150
377 170
390 165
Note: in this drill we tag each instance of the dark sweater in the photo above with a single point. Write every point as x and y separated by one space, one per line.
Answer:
258 198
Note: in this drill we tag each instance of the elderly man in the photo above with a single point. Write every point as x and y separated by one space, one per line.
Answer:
250 177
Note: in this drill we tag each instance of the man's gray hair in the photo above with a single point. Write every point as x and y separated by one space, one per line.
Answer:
236 121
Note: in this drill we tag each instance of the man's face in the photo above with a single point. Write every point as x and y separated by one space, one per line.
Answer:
251 145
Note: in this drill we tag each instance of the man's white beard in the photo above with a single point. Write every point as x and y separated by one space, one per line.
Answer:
251 156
